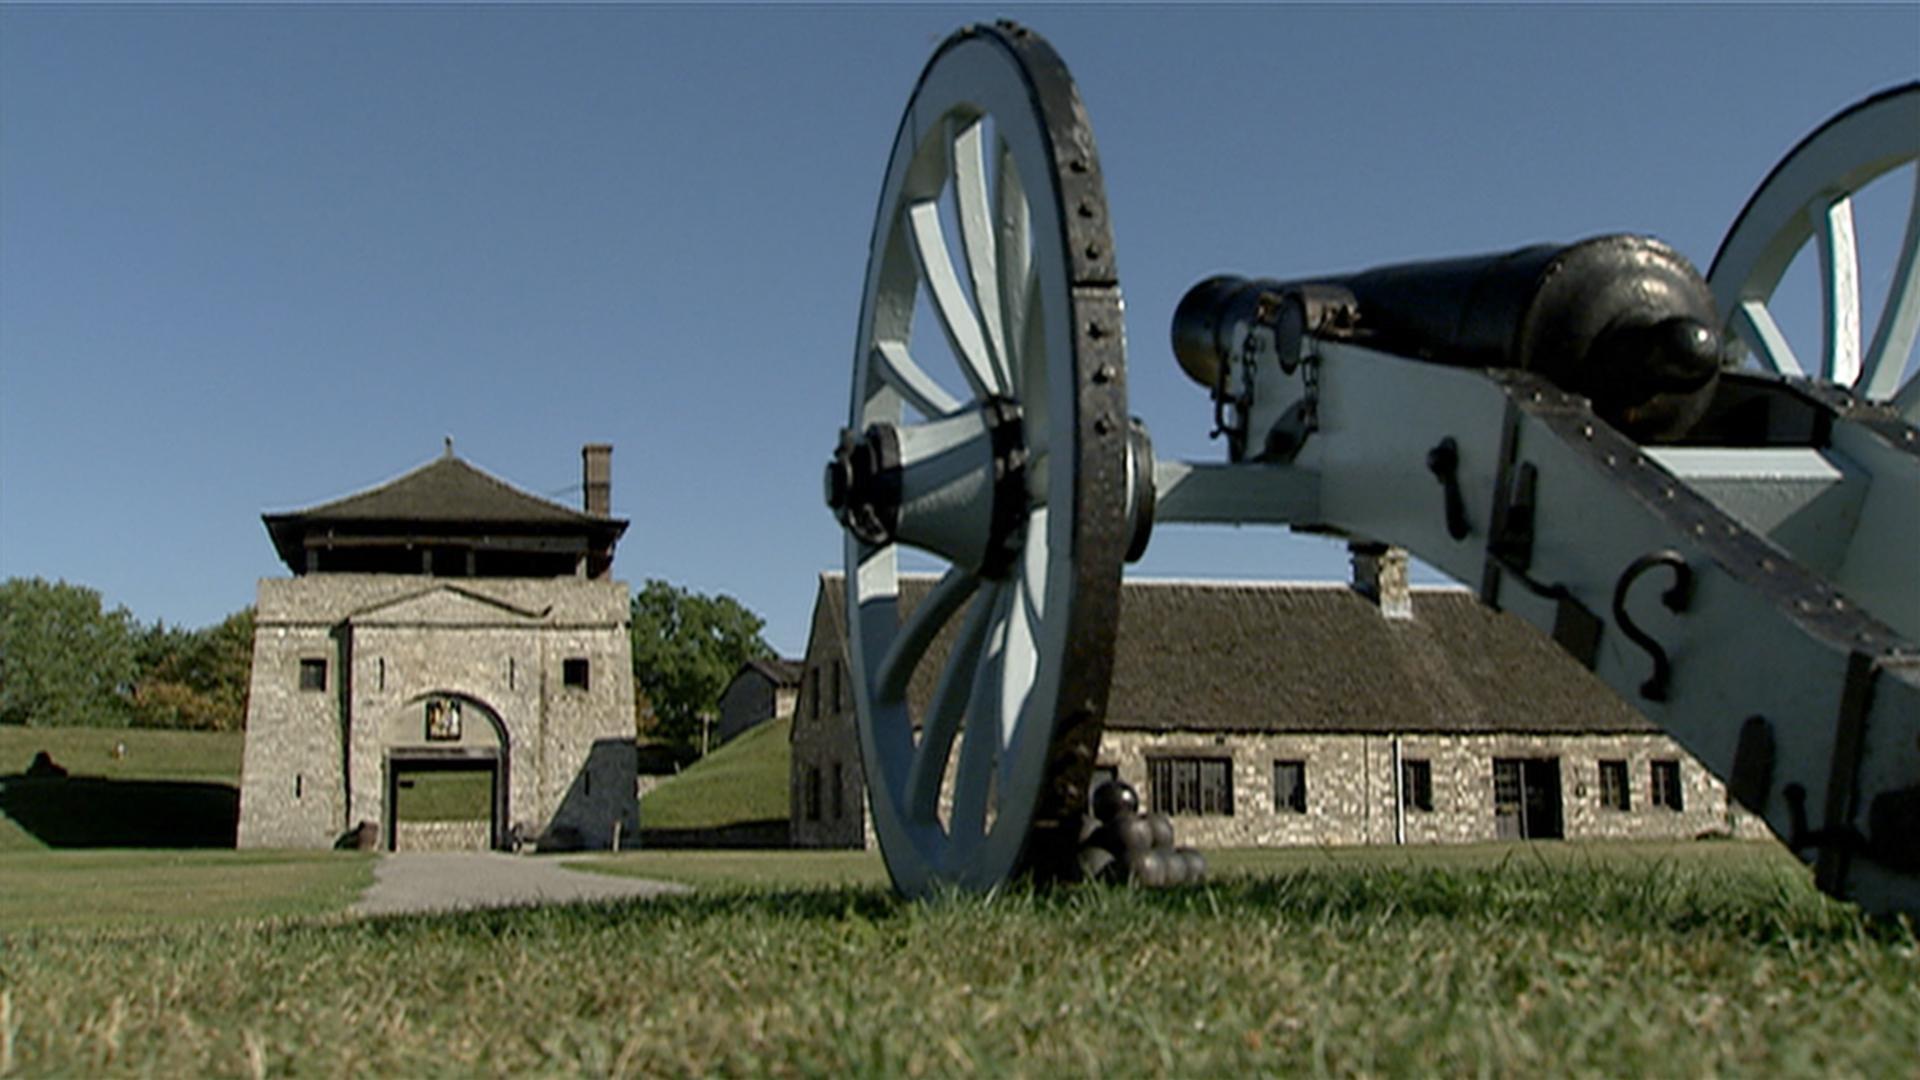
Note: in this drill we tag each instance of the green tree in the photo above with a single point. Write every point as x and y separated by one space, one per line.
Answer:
686 647
64 660
195 678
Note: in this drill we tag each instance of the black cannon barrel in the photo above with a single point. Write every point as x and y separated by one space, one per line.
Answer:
1624 321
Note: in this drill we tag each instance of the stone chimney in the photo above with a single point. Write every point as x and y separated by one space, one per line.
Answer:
1380 575
596 477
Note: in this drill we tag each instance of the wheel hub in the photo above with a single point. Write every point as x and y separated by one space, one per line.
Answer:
956 486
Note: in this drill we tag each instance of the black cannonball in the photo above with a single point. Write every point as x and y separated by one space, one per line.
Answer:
1136 836
1149 868
1114 799
1162 828
1097 864
1196 864
1107 839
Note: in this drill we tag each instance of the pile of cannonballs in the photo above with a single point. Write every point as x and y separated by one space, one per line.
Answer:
1122 845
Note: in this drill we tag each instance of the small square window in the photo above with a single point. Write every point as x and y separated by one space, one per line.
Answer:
573 672
313 674
1416 784
1613 786
1290 787
1666 785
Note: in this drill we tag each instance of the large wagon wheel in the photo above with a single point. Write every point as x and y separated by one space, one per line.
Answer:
996 441
1809 197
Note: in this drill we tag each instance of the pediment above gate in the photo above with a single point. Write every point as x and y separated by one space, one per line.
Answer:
446 605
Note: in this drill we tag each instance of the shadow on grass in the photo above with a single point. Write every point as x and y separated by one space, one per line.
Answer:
89 812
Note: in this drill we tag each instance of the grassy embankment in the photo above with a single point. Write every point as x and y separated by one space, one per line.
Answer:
168 788
169 791
743 781
1708 959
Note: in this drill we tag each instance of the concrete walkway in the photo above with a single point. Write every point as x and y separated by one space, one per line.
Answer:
451 881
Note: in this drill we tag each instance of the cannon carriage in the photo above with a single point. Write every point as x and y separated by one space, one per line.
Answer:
1574 430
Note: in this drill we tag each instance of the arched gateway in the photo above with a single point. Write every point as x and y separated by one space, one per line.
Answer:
449 664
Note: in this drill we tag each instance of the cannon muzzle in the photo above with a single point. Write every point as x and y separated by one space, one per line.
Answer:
1624 321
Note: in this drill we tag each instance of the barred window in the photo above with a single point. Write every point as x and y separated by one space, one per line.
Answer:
1191 785
1614 794
1290 787
1416 784
1666 785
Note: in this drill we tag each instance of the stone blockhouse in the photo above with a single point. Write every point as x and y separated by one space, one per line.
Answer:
1268 714
443 623
760 691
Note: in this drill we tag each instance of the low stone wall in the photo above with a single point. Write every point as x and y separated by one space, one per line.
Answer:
745 835
442 835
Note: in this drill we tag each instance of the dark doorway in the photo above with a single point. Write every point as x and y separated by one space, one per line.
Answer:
445 789
1526 799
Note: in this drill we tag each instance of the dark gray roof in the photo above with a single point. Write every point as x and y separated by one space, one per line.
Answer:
445 489
1285 657
445 497
779 670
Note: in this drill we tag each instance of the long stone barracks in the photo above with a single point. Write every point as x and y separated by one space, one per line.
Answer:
448 667
1270 714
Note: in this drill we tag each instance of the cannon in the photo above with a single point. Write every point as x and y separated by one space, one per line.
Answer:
1596 437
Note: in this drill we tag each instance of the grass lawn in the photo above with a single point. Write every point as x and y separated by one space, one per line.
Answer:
445 796
211 756
1706 959
129 889
746 869
168 788
745 780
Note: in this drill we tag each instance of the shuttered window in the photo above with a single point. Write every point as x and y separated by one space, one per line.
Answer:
1666 785
1191 785
1290 787
1614 794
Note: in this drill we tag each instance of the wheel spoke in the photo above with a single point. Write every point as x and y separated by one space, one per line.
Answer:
977 240
921 626
1014 260
1907 401
957 317
1020 657
1033 374
1755 325
1892 347
951 696
1839 290
980 743
907 378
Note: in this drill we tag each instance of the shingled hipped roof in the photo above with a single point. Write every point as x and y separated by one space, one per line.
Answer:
446 496
1260 657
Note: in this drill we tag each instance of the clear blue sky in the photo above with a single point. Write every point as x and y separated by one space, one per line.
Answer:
257 257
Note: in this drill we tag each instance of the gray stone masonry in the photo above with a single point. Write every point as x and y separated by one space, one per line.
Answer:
317 759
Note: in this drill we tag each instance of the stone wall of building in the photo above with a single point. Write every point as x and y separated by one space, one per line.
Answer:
827 786
317 762
293 774
441 835
748 701
1352 795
